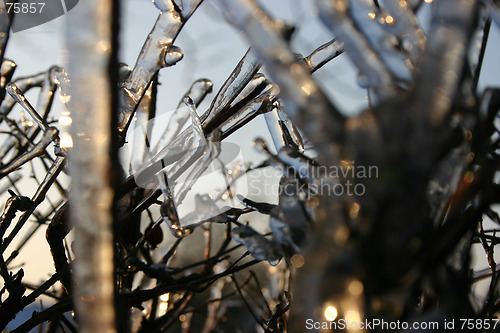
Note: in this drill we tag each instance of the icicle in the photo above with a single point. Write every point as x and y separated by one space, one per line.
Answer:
288 159
261 207
142 133
294 132
212 150
273 125
199 89
169 213
187 150
289 222
282 131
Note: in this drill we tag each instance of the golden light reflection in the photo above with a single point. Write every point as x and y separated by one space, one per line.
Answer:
347 165
295 68
355 287
353 316
163 306
65 121
428 1
403 3
470 157
103 46
341 5
165 297
66 141
307 89
354 211
371 16
389 19
297 260
330 313
273 269
65 99
341 236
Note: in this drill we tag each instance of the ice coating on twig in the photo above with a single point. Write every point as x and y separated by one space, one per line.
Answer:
290 226
24 84
197 92
169 211
335 17
406 26
185 148
239 78
444 54
272 121
18 96
370 23
58 76
294 132
260 104
281 129
7 70
477 47
257 244
210 147
303 98
324 54
142 132
55 169
157 52
211 151
45 99
256 81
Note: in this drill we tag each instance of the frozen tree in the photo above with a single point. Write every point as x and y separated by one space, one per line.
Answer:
376 216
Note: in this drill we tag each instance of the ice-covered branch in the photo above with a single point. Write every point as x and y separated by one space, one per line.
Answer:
303 99
374 74
158 52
